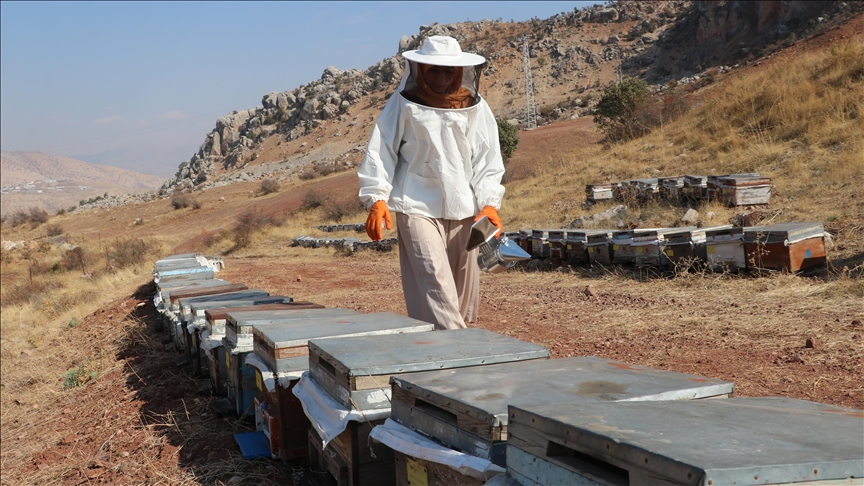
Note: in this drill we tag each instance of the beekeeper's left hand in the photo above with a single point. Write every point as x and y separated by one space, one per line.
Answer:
378 213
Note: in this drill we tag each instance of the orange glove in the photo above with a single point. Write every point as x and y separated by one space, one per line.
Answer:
492 214
377 212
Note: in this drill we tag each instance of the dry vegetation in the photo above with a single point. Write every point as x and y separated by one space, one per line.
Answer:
799 123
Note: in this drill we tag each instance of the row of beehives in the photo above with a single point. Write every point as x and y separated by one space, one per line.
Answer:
786 246
381 399
355 227
732 189
350 243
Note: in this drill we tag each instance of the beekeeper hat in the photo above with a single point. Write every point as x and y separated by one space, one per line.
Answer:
441 50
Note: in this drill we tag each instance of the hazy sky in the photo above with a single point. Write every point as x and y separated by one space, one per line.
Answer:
138 85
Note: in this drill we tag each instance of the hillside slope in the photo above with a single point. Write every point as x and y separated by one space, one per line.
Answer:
53 182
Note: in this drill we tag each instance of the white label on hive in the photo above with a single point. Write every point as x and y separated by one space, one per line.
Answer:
378 396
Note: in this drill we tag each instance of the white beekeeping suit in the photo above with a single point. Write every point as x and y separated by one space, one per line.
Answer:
439 168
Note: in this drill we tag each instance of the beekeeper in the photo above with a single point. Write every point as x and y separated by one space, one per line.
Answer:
434 160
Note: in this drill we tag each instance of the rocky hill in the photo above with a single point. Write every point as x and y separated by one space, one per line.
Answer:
573 56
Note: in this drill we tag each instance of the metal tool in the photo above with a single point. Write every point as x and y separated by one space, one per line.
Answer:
495 254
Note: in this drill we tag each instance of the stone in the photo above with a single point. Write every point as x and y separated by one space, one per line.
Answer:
590 292
310 107
811 343
691 216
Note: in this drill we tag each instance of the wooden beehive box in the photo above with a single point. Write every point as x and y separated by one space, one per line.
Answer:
647 246
740 441
557 244
215 324
744 190
187 328
240 383
787 246
539 243
599 248
577 243
356 371
623 252
467 409
695 188
686 246
598 192
201 332
671 189
283 350
724 249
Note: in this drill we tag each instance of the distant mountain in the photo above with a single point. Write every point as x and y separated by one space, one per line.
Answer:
23 167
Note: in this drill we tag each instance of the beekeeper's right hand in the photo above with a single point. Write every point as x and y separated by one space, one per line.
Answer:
377 213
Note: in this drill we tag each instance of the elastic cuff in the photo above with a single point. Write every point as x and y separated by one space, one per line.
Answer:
374 199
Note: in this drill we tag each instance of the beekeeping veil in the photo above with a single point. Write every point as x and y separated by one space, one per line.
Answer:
443 51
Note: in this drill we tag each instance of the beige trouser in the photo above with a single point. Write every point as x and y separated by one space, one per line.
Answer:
440 279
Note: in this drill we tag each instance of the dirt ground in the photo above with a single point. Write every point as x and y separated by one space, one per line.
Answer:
143 421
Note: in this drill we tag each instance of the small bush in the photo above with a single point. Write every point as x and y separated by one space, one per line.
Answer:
78 376
53 230
197 204
76 258
337 209
617 107
181 200
129 252
312 200
248 223
269 186
38 216
60 212
507 139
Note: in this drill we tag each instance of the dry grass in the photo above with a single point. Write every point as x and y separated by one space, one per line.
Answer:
799 124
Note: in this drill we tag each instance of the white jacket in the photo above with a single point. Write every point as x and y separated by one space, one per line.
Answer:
439 163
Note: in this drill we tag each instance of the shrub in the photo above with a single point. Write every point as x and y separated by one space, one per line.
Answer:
18 218
76 258
269 186
250 222
338 209
38 216
507 139
312 200
617 107
129 252
60 212
196 204
53 230
181 200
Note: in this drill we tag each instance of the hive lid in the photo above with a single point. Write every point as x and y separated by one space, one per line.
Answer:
253 301
278 337
699 442
779 233
222 312
405 353
484 392
238 294
256 318
583 234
